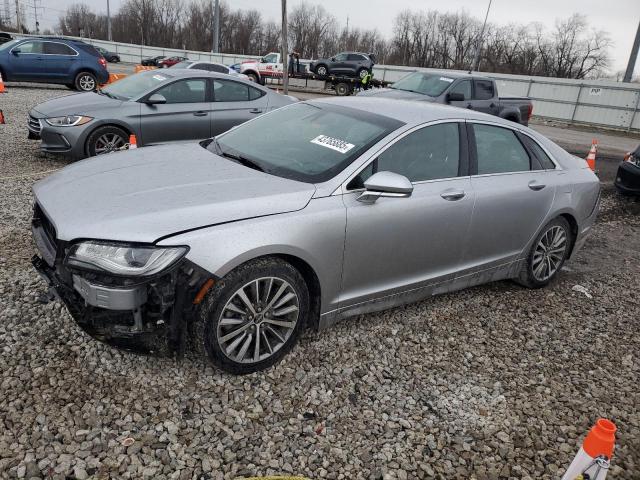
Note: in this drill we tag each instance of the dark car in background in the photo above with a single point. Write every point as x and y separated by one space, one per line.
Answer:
152 61
170 61
110 57
173 105
469 91
628 177
5 37
355 64
73 63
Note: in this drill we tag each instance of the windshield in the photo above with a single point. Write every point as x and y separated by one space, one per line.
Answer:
304 142
135 85
7 45
431 84
181 65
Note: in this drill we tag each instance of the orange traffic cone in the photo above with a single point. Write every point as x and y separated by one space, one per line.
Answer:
595 453
2 89
2 122
591 158
133 142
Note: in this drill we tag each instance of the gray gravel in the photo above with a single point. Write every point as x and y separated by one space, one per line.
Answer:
492 382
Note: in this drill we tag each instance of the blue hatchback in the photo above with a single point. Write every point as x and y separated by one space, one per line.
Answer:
53 60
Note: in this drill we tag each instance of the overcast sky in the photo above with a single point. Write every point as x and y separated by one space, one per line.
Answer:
618 17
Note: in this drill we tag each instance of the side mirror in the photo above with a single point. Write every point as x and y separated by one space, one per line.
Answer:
454 97
385 184
15 51
156 99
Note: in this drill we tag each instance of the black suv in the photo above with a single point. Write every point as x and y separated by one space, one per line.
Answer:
346 63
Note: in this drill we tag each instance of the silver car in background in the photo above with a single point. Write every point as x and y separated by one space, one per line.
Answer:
315 212
209 67
157 106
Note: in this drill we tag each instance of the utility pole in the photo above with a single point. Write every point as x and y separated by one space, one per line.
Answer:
35 14
476 59
285 50
346 40
18 22
108 22
216 27
632 59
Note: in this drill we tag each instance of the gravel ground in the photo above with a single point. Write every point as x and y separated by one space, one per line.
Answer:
492 382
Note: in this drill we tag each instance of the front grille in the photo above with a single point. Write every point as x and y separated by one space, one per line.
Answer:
33 124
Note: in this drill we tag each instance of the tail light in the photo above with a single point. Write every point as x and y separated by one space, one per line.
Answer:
102 62
628 157
530 111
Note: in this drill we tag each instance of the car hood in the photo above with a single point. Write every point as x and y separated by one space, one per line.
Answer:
397 94
154 192
74 104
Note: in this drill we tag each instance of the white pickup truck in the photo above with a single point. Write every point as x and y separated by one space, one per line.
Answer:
269 66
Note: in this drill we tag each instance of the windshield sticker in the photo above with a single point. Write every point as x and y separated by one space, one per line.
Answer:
160 78
445 79
333 143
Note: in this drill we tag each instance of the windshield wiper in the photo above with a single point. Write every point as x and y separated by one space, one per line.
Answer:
247 162
107 94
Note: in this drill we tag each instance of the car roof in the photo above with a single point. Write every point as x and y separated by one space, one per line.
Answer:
410 112
194 72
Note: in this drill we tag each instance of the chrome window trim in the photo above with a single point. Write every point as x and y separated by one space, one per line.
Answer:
520 130
48 54
342 188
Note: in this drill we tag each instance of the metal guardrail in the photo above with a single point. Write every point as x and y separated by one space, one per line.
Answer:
601 103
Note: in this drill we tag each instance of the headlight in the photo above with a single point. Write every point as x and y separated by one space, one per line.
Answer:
123 259
68 121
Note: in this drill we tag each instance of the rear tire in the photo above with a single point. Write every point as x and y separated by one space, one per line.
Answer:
547 254
106 139
343 89
232 345
85 82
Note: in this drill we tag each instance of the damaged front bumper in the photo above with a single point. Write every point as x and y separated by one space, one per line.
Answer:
149 315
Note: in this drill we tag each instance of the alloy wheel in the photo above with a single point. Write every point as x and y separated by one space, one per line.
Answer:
109 142
322 71
549 253
363 73
87 83
258 320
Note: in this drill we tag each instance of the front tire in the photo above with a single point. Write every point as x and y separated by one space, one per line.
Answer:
547 254
106 139
252 317
322 70
85 82
253 77
363 72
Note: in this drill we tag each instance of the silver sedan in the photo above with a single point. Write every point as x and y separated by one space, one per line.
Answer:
299 218
157 106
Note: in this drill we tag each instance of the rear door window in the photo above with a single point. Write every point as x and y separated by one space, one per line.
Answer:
483 90
55 48
499 150
230 91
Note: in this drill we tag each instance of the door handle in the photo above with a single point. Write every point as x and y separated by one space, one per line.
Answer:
452 195
534 185
200 113
255 110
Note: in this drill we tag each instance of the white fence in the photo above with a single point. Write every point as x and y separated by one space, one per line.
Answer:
592 102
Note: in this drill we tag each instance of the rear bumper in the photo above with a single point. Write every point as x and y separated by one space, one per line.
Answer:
628 179
586 227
